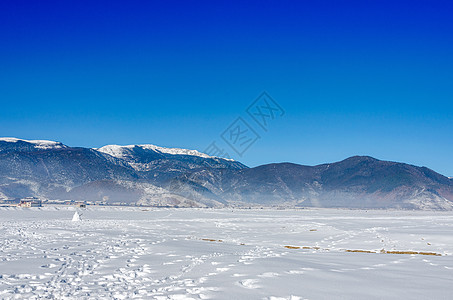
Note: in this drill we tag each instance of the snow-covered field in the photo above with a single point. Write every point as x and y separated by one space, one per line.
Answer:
124 253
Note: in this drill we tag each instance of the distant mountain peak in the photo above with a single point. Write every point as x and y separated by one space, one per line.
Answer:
37 144
121 151
361 158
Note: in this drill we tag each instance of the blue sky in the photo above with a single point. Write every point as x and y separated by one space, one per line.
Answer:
353 77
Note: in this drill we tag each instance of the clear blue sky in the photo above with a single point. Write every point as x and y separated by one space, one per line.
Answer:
354 77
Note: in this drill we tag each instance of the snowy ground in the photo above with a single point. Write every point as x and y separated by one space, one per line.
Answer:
125 253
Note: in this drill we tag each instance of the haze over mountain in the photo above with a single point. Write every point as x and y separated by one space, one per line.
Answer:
152 175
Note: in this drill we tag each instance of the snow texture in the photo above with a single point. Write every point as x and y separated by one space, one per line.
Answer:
121 151
39 144
143 253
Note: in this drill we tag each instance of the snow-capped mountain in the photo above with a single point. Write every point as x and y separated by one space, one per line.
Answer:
125 151
148 174
14 144
155 159
128 174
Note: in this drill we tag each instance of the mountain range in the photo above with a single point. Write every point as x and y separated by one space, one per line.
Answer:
152 175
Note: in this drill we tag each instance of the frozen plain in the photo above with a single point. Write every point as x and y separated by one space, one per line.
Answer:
141 253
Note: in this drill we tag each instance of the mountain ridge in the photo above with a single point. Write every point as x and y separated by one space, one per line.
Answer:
152 175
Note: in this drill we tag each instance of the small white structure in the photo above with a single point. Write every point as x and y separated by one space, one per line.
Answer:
76 217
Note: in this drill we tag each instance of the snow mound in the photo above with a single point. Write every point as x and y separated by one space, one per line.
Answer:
76 217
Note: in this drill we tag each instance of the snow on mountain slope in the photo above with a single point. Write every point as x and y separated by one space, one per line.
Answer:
37 144
51 170
164 163
123 151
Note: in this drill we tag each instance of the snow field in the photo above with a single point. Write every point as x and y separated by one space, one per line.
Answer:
138 253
